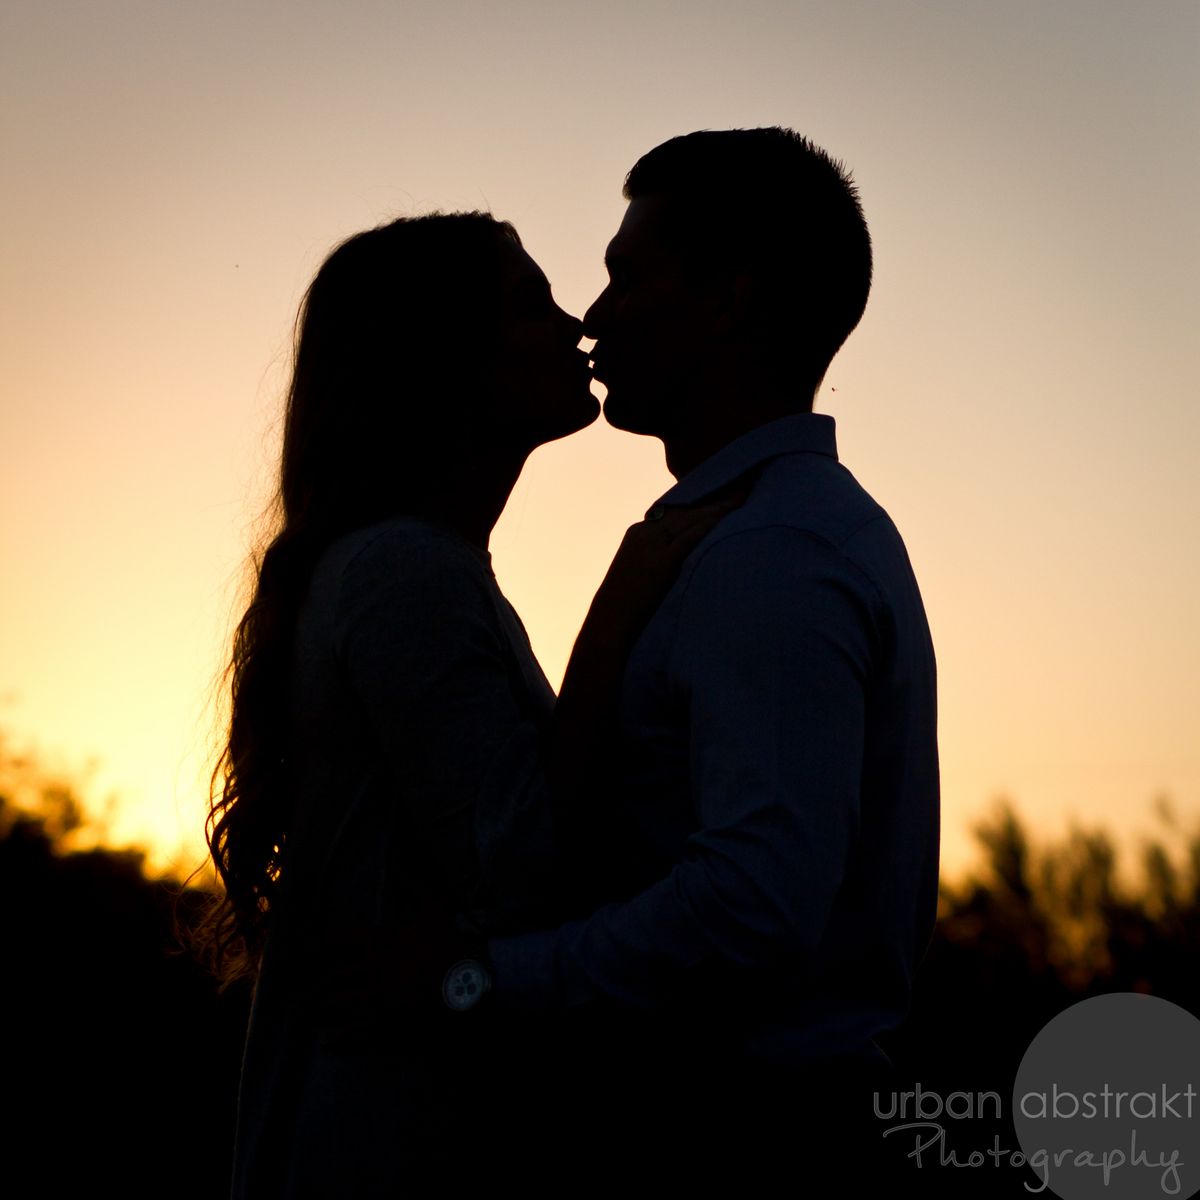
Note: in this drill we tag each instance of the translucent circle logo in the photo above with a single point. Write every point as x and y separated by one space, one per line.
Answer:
1107 1100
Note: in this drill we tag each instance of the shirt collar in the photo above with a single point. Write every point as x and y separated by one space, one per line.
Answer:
799 433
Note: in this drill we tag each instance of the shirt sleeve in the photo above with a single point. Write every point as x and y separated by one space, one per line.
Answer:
437 689
772 657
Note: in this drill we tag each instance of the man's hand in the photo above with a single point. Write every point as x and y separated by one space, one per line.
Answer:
361 986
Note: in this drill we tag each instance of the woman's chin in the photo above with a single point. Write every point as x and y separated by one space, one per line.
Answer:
588 414
579 416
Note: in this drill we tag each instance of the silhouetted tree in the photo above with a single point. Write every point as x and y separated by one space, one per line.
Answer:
121 1061
120 1064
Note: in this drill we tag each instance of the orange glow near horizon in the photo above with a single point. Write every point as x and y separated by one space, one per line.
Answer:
1020 395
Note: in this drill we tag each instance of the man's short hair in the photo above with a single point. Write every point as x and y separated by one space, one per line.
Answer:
771 202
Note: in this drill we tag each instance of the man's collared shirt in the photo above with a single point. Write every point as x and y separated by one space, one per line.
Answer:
778 755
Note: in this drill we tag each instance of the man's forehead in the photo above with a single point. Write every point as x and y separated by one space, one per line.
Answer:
645 229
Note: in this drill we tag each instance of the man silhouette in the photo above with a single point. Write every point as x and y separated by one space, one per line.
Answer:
776 736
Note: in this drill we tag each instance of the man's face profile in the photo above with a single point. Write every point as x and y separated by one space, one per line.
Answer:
649 324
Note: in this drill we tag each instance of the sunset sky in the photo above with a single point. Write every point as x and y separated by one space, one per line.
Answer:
1021 395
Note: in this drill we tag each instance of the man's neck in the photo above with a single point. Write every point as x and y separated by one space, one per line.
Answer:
714 423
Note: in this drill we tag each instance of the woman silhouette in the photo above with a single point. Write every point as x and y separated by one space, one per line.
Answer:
390 726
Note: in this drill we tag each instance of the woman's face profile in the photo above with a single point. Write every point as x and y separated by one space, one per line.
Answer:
540 381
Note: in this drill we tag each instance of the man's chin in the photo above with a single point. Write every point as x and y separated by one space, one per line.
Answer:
620 416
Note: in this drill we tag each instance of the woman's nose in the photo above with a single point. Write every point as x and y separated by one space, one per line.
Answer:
576 326
592 318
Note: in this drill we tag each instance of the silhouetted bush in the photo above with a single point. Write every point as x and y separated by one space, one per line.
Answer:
121 1061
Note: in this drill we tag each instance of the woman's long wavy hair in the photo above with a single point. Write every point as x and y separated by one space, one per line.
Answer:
391 342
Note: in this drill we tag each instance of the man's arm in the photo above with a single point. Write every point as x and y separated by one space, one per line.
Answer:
773 654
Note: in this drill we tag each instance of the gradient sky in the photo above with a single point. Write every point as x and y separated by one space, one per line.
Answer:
1021 395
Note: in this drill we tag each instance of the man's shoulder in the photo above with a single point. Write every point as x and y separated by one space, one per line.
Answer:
806 517
814 495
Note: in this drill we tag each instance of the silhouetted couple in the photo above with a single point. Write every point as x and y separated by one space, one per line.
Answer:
652 929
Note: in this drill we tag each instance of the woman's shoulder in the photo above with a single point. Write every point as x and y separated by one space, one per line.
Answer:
409 536
406 553
402 583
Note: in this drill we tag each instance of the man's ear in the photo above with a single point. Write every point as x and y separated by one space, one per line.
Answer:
734 302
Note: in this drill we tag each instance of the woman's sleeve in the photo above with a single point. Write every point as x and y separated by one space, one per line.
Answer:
426 663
